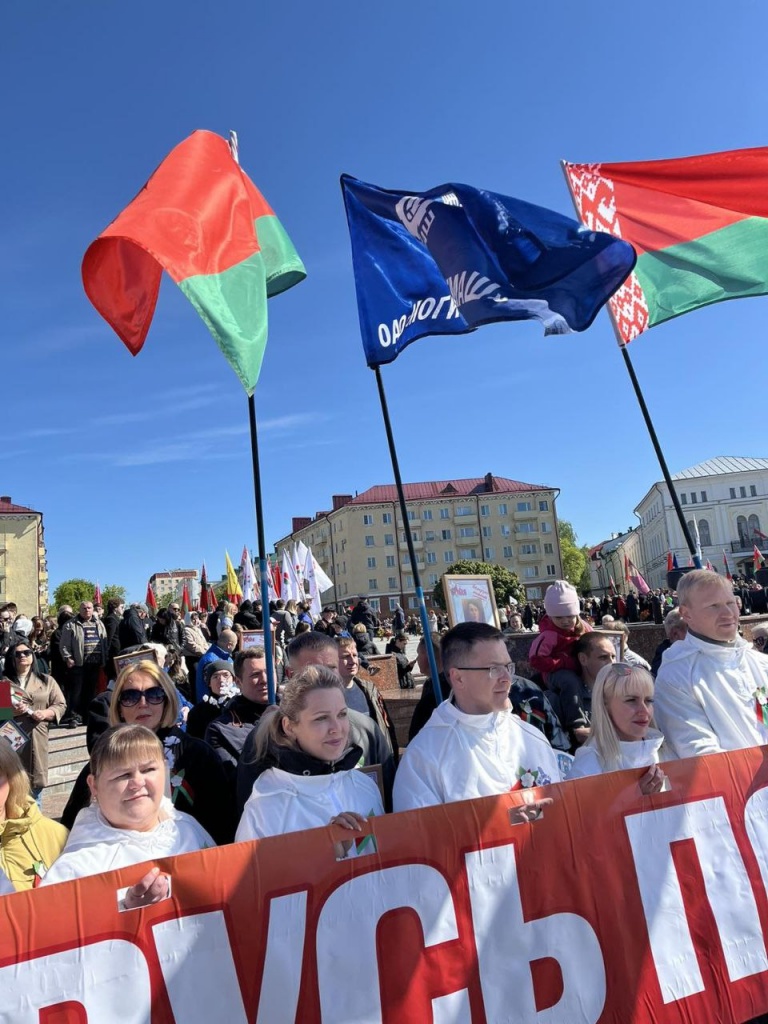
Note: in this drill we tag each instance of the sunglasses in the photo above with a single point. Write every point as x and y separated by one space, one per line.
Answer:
22 654
621 668
130 698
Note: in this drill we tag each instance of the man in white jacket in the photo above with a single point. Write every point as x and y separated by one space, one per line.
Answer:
473 745
712 687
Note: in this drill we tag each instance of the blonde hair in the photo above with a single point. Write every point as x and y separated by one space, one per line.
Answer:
124 744
152 669
699 578
616 680
292 702
19 794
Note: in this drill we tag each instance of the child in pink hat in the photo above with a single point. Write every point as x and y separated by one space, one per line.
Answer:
559 630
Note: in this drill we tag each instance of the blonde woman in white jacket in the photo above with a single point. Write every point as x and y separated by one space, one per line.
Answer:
623 731
129 820
308 769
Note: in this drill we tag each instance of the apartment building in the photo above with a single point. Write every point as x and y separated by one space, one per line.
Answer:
23 558
361 541
169 585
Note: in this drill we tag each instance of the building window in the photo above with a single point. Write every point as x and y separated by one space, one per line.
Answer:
683 499
505 530
703 495
742 492
373 583
427 513
412 515
543 506
704 536
485 510
389 539
528 549
546 527
754 529
392 582
549 549
387 518
429 535
448 556
507 551
752 491
374 603
367 520
741 526
445 513
467 553
490 554
406 560
412 602
463 510
487 531
433 578
390 561
467 531
409 581
523 506
551 570
502 509
393 603
531 571
526 527
371 563
369 542
431 558
534 593
445 534
694 499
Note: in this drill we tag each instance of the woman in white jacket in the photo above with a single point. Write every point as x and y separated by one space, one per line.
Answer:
623 732
129 820
308 773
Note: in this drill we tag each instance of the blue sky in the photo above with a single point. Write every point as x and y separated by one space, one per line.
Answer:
140 465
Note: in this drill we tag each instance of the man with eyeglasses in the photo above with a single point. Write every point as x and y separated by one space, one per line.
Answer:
83 648
473 745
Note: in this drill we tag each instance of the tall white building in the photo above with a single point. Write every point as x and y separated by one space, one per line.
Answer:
725 501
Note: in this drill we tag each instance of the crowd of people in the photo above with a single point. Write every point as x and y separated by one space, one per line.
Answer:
187 752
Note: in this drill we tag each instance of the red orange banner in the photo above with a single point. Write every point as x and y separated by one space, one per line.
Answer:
612 907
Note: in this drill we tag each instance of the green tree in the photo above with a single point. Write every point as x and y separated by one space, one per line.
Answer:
506 584
74 592
574 558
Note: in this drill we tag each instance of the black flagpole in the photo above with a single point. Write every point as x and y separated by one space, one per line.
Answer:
409 541
265 618
644 409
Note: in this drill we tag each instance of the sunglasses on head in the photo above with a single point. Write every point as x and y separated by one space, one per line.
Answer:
130 698
621 668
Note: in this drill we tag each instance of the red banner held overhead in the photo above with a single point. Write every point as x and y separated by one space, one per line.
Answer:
611 908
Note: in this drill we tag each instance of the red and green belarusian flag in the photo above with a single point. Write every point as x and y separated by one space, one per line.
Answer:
699 226
200 218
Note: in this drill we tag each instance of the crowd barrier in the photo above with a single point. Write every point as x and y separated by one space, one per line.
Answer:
611 907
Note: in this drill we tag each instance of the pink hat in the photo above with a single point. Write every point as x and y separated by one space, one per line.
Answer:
561 599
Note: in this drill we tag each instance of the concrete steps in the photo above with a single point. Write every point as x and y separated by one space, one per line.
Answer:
67 753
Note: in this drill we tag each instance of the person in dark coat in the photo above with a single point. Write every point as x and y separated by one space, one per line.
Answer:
112 620
132 631
246 617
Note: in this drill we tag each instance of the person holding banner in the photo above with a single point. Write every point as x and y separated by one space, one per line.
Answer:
29 843
306 767
129 820
473 745
623 732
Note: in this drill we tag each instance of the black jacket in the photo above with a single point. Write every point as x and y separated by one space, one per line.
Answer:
132 630
228 733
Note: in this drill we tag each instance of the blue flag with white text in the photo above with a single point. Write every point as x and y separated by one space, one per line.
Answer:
455 257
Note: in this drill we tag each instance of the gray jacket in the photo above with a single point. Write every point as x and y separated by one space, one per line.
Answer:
72 643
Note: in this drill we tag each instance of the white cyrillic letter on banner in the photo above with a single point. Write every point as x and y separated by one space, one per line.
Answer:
727 887
507 943
97 977
347 967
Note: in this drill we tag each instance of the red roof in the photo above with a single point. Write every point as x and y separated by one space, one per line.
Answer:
444 489
8 508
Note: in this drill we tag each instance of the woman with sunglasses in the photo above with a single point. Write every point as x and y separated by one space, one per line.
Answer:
38 702
144 695
129 820
623 732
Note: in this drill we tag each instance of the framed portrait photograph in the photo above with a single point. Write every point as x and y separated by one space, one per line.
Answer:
123 660
470 599
252 638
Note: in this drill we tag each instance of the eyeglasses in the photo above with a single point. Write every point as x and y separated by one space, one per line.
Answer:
154 695
494 671
22 654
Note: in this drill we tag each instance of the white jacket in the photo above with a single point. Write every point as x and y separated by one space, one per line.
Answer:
95 846
459 757
632 754
282 802
706 696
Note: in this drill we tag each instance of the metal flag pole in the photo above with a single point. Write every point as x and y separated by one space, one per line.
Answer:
409 541
643 407
265 621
